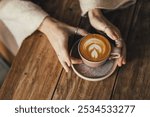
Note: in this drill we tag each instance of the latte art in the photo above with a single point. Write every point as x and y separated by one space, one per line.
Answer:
94 54
94 48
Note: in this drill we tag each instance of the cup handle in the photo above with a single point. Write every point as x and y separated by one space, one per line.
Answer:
115 53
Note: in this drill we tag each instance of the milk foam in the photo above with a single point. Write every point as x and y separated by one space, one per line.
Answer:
94 54
95 47
94 50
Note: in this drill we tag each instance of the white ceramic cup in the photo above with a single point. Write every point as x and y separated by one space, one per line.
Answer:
95 50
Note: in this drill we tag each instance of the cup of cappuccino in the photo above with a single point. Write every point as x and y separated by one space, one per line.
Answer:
95 50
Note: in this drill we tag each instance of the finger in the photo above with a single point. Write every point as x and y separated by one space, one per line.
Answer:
82 32
119 62
66 57
64 65
124 61
111 34
117 35
78 31
76 60
114 36
124 54
65 54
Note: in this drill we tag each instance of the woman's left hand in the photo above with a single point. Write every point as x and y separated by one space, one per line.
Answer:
99 22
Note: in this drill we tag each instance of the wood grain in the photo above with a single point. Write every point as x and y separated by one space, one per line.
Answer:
133 81
72 87
34 72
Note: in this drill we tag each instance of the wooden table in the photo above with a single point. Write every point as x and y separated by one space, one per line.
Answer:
37 74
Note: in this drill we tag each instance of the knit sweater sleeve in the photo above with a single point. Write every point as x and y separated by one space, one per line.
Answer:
87 5
21 17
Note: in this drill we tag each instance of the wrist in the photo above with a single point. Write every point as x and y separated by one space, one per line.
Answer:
94 13
44 27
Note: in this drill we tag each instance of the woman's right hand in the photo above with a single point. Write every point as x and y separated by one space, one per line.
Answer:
58 34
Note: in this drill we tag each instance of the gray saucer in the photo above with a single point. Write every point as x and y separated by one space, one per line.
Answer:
92 74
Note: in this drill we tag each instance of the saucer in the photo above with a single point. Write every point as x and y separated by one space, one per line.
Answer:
92 74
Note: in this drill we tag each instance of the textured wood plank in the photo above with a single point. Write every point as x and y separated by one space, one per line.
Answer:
133 81
34 73
71 86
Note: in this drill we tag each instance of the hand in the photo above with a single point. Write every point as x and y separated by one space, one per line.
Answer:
58 33
99 22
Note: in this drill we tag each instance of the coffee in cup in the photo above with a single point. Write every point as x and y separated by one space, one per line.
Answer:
94 49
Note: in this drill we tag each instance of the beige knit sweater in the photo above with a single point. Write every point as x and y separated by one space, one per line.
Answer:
20 18
86 5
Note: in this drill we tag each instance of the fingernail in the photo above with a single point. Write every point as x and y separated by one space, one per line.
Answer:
114 37
124 62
